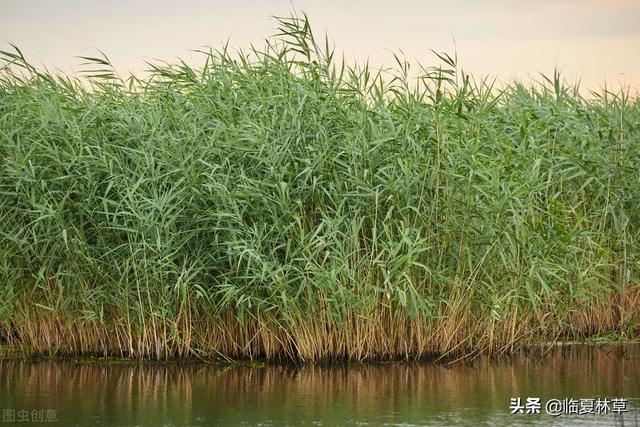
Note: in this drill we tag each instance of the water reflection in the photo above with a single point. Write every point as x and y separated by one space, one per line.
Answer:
393 394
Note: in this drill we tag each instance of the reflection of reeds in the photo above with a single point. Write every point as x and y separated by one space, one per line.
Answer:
283 205
316 390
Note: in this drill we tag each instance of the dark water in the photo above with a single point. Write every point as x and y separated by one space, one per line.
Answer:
92 394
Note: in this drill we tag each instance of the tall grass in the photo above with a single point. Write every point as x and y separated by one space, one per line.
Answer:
279 203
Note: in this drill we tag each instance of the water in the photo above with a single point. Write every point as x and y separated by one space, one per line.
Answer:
152 394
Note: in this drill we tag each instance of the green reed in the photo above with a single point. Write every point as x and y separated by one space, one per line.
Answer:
281 203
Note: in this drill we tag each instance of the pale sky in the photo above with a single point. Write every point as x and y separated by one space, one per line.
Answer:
591 40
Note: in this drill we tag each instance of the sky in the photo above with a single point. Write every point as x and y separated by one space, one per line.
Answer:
594 41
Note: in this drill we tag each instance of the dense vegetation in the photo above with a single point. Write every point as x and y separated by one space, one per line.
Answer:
278 203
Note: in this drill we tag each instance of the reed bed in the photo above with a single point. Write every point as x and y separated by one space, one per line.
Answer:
280 203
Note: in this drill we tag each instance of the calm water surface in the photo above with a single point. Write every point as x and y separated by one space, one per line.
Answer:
94 394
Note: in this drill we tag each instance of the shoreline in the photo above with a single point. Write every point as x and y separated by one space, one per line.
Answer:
538 351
